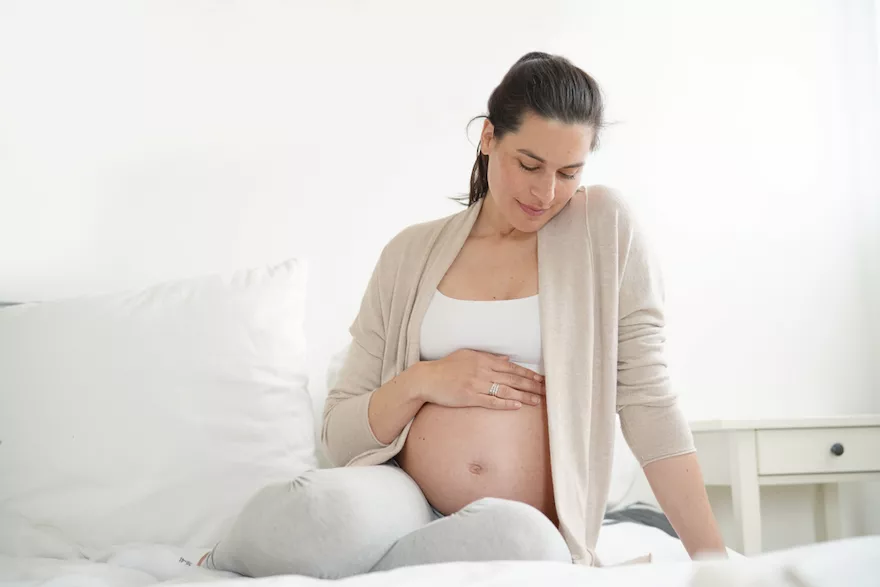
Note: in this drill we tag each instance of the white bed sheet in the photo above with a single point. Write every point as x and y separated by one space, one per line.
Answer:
42 553
852 562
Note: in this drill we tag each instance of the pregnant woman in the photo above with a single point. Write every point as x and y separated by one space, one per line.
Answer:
474 417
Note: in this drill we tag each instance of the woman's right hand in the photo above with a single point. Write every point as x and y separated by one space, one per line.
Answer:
465 377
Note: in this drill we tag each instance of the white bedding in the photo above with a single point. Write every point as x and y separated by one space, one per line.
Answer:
139 565
233 409
851 562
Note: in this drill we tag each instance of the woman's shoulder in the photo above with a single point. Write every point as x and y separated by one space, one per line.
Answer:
606 207
413 240
605 201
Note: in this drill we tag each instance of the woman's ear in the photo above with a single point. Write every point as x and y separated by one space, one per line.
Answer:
487 137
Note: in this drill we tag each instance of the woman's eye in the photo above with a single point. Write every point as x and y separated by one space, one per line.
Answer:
565 175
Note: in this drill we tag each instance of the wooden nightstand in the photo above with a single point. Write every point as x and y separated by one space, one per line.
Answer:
746 454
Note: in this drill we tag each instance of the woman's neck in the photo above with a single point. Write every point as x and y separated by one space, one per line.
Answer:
492 224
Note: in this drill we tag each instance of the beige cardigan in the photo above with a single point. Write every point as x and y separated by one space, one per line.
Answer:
602 340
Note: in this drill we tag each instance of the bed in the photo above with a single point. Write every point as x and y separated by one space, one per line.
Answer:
851 562
134 425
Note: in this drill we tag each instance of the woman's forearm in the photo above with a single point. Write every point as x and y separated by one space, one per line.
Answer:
394 404
678 485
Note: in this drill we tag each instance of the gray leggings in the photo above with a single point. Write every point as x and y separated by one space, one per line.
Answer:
334 523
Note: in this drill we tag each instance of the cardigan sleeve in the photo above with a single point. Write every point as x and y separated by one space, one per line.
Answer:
651 419
346 432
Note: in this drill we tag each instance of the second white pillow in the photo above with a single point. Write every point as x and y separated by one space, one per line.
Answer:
152 416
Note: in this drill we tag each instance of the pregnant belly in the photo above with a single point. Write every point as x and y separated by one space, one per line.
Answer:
459 455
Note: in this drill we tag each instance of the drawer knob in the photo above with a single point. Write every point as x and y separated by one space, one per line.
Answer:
837 448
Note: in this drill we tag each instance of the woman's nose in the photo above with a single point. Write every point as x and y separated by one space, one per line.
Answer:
545 191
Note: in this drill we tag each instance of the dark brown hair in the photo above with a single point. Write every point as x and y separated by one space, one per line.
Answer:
547 85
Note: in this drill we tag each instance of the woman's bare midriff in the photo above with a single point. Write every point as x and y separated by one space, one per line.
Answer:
460 455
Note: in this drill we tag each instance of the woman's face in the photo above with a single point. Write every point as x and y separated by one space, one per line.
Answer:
535 171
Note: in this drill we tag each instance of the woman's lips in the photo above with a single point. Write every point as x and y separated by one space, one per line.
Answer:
529 210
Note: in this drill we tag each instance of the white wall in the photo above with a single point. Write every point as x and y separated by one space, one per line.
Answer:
146 141
870 214
877 19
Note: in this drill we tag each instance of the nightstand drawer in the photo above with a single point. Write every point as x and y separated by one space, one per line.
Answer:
812 450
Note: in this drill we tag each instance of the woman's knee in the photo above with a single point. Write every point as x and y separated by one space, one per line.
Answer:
327 523
354 499
527 534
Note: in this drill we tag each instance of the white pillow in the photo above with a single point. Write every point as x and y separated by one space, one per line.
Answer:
624 466
152 416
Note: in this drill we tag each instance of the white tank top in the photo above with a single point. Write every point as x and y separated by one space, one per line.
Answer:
503 327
